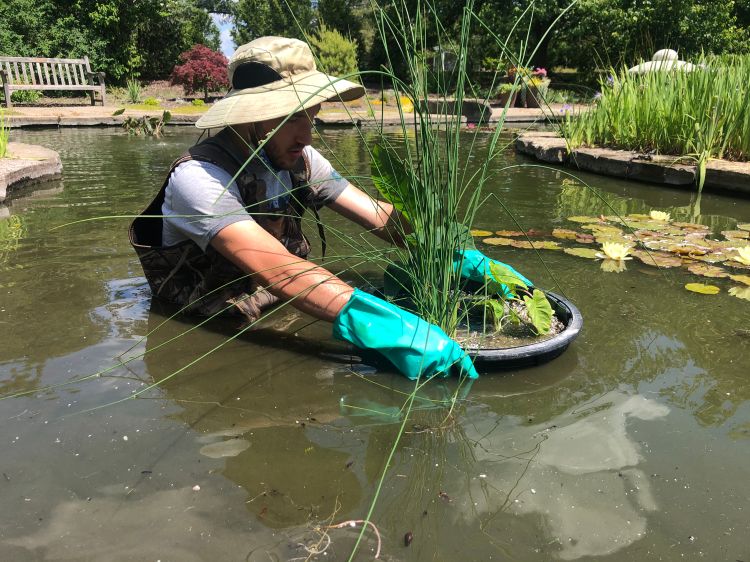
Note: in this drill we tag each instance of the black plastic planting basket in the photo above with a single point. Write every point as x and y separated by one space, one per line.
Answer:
535 353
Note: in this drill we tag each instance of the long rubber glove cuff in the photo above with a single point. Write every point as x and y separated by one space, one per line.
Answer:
475 266
416 347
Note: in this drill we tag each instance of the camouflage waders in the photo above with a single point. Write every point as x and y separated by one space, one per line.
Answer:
206 283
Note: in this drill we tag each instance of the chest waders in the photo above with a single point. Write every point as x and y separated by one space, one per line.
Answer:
206 283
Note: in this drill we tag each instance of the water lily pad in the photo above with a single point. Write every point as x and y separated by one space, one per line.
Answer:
547 245
707 270
481 233
740 292
744 226
690 226
741 279
713 257
583 220
703 289
736 264
688 250
564 234
637 217
499 241
598 227
589 253
657 259
506 233
735 234
585 238
540 245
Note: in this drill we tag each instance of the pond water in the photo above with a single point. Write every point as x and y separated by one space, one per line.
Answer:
631 445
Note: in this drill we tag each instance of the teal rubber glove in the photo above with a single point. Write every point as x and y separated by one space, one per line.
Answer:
416 347
475 266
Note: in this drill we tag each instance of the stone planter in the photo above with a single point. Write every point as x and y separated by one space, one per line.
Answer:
507 99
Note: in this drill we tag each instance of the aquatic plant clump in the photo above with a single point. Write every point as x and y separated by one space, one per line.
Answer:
699 114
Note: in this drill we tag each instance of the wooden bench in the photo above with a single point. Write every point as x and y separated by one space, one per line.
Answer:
34 73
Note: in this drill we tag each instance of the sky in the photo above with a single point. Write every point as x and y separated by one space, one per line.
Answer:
227 45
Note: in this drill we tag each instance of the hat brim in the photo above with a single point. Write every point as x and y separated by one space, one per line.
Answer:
278 99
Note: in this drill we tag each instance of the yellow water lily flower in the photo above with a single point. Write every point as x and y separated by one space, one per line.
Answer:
615 251
659 216
744 255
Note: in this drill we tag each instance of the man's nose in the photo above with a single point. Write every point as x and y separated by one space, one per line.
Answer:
304 132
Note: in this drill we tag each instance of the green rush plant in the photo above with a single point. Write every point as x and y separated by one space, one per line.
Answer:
133 91
4 135
699 115
425 171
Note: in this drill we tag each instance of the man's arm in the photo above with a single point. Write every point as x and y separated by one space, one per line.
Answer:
310 288
378 217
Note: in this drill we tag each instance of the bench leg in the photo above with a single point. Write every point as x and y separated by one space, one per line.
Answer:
6 92
93 97
104 96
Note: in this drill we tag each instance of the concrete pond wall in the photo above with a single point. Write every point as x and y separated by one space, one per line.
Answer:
721 175
26 164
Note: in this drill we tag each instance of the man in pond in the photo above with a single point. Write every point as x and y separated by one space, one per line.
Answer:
224 233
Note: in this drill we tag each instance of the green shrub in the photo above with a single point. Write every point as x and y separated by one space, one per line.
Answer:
335 54
198 103
26 96
151 101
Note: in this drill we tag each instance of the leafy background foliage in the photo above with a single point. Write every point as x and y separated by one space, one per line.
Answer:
144 39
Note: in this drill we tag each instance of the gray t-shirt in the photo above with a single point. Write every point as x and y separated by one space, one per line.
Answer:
201 199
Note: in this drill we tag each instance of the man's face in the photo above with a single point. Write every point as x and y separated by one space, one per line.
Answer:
284 148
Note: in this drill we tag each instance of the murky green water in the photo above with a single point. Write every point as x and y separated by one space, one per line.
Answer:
631 445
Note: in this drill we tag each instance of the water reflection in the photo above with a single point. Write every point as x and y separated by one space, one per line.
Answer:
578 472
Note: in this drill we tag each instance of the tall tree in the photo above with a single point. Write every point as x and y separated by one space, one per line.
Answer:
257 18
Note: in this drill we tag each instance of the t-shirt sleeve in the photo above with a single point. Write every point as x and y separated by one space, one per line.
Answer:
200 200
325 182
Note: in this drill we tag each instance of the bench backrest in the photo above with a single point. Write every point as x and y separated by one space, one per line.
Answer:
35 73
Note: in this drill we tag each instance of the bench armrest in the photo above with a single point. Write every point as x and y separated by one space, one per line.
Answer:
91 76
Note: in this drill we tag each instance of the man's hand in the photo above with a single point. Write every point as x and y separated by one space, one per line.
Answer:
475 266
417 348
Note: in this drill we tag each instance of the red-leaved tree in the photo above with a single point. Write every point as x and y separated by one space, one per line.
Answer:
201 69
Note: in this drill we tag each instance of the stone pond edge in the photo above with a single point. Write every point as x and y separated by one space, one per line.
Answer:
721 175
26 164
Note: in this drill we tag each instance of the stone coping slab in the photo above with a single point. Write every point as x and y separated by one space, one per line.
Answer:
25 164
331 114
721 175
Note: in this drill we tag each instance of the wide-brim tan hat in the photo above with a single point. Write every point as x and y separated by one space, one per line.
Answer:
274 77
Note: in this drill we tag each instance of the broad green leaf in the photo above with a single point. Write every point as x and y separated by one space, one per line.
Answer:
495 311
119 111
166 117
540 311
505 276
703 289
391 178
